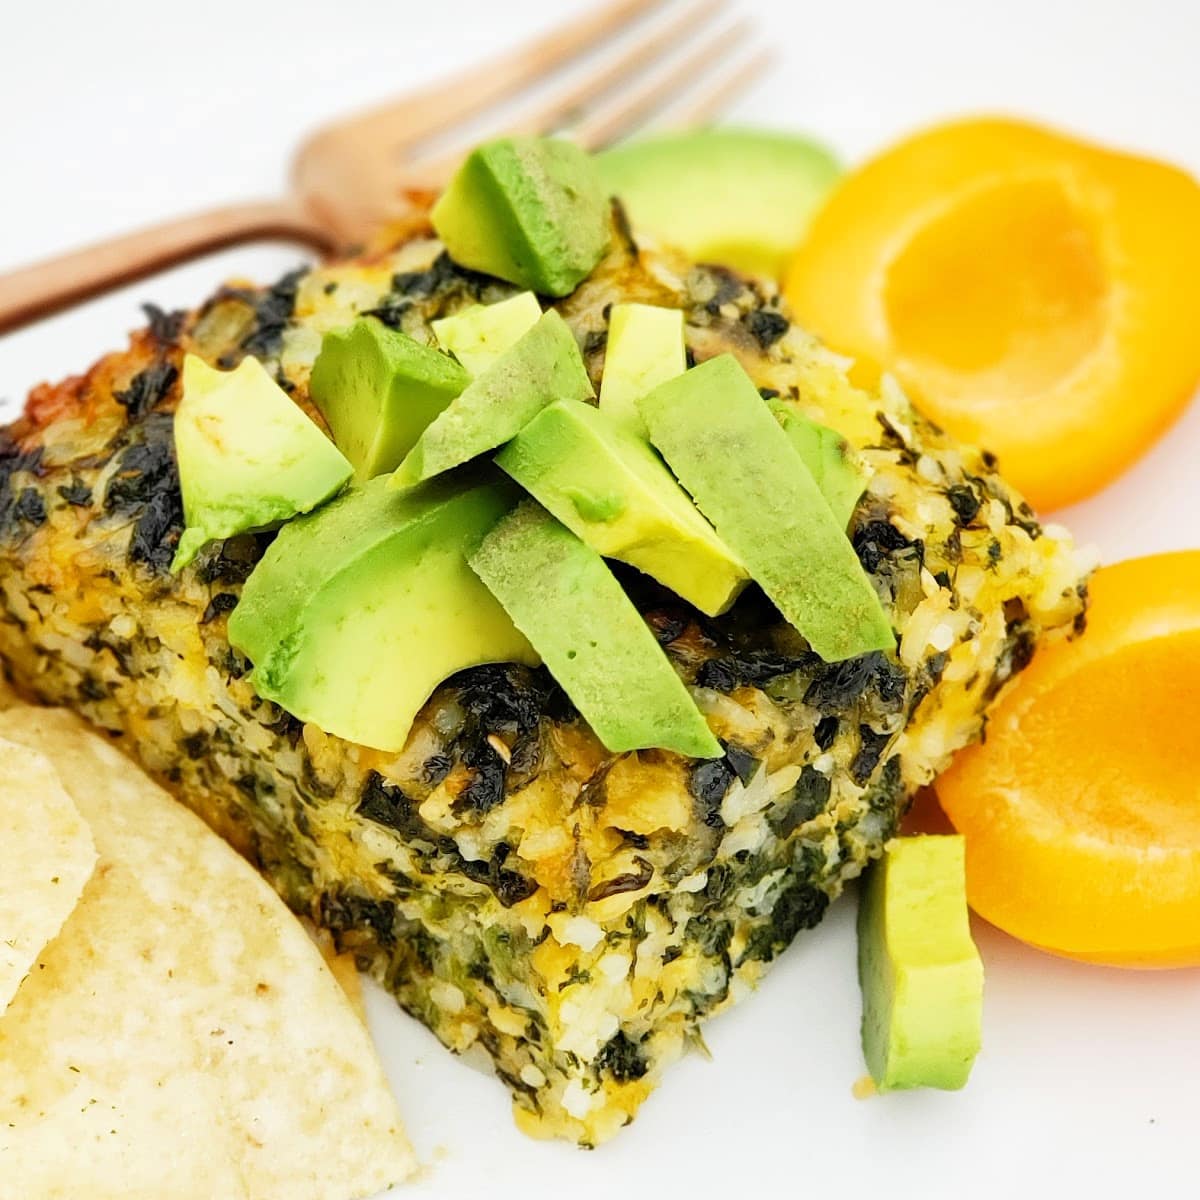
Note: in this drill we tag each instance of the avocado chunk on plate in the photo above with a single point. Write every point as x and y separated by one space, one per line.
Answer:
529 210
379 388
727 449
565 600
743 197
610 489
249 457
921 975
545 365
645 348
836 468
479 335
356 613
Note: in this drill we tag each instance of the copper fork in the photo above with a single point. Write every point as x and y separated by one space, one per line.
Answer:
352 176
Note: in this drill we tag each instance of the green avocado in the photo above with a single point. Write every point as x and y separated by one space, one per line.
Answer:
645 348
379 388
479 335
529 210
727 449
837 469
608 487
545 365
249 458
356 613
921 975
743 197
565 600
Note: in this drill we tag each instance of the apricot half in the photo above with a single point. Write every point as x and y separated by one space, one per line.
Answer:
1035 294
1081 810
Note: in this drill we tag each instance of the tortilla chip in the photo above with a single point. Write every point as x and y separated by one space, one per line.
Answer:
181 1037
46 856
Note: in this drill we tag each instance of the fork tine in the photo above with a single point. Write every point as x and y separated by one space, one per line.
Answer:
608 123
445 102
552 112
433 171
713 102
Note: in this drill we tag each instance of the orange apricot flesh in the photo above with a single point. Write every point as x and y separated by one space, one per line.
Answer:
1035 294
1081 810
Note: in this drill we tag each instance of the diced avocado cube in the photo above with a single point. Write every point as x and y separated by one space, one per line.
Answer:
743 197
479 335
609 488
561 595
921 975
727 449
645 348
545 365
356 613
249 458
837 469
379 388
529 210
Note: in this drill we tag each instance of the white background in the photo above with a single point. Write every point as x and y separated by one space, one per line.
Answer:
117 114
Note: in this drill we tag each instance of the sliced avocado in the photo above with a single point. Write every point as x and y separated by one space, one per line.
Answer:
835 466
645 348
529 210
608 487
921 975
743 197
479 335
545 365
355 614
379 388
249 458
728 450
570 606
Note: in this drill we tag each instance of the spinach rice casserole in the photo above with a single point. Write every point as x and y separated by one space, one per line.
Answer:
574 913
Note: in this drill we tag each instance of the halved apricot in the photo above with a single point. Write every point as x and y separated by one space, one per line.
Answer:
1036 295
1081 810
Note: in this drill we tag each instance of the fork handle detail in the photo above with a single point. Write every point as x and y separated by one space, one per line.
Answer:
47 287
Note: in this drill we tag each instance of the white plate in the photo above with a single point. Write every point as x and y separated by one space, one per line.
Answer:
1087 1079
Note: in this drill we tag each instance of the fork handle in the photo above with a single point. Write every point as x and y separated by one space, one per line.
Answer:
46 287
